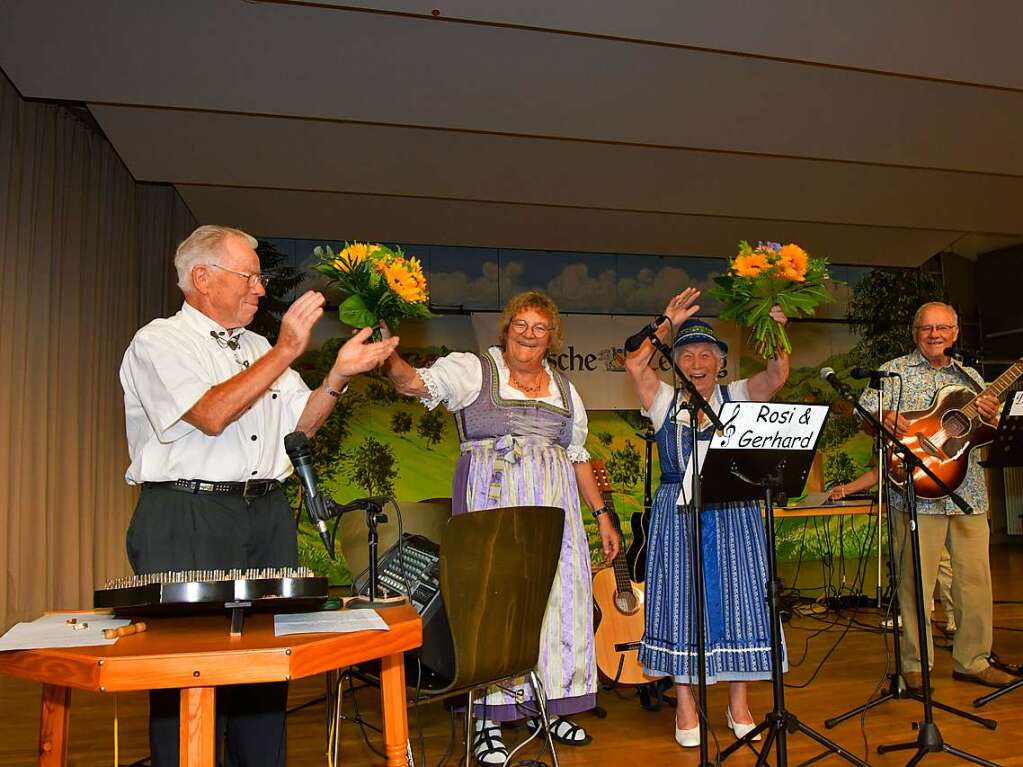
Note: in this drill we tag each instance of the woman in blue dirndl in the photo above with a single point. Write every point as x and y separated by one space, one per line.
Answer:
737 635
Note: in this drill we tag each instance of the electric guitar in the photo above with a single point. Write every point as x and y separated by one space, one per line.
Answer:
943 435
620 603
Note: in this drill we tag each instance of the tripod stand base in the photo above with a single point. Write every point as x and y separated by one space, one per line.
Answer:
897 690
929 741
777 725
983 700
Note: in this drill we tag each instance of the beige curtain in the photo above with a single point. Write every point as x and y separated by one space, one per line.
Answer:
85 254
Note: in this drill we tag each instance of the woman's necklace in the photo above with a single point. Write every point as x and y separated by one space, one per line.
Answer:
515 381
524 386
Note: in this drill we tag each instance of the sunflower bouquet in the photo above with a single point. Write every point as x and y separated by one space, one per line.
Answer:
768 274
380 283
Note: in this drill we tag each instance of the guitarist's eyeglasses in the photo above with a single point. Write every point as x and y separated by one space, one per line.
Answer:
930 328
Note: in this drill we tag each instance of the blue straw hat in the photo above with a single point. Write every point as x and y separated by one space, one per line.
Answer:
695 331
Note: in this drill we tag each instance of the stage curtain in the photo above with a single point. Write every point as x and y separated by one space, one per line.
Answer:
86 260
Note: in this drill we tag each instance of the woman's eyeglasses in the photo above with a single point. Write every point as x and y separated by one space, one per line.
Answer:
521 326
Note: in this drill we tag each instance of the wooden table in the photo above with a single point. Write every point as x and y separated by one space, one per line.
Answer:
840 509
197 655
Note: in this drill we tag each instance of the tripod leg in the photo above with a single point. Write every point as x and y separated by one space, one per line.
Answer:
915 759
989 723
968 757
985 699
836 720
885 748
772 733
828 744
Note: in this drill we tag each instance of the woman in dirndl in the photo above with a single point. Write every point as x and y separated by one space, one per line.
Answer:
737 635
522 428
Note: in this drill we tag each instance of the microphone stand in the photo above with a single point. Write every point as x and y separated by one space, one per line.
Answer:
374 516
695 404
929 739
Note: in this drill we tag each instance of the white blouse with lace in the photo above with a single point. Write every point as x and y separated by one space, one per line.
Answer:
457 378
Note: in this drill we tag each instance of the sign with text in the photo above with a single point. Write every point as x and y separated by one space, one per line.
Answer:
769 426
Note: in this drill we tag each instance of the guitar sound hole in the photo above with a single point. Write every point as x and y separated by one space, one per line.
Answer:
626 602
955 423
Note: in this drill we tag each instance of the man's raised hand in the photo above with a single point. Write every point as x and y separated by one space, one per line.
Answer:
297 323
357 356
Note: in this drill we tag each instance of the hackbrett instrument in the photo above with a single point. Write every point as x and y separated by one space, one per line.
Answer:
620 602
944 434
192 592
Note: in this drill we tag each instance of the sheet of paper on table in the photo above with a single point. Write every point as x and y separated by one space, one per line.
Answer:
54 630
329 622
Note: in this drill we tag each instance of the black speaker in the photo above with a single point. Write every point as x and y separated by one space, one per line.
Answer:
412 567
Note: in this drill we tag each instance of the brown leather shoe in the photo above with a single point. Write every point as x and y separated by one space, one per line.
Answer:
989 677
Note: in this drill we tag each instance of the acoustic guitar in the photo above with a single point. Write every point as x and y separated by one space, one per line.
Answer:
944 434
620 603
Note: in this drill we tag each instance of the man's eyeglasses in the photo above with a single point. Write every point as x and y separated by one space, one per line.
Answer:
521 326
930 328
252 278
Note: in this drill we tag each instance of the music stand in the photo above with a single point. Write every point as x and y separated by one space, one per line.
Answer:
1006 451
766 473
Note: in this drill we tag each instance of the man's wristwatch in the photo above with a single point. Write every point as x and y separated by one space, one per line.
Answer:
598 513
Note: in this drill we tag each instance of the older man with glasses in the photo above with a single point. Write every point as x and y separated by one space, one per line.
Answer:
207 404
923 372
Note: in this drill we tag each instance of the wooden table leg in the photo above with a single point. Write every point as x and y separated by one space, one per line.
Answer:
198 738
54 717
392 699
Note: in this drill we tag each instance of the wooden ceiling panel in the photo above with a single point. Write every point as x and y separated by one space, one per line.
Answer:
274 213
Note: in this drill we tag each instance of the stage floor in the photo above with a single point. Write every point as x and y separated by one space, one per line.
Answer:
629 734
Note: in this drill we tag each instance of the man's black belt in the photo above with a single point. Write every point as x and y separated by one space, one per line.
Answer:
250 488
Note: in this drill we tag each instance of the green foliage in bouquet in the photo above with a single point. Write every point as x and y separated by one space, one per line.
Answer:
763 276
380 283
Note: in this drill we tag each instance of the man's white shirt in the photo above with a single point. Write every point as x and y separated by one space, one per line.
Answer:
171 363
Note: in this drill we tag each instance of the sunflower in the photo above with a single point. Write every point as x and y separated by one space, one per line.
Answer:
353 255
750 265
792 263
405 280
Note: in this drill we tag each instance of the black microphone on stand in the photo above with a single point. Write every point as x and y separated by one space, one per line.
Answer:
829 375
962 357
297 446
868 373
636 340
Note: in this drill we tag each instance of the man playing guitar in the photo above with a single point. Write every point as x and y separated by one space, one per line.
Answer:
933 435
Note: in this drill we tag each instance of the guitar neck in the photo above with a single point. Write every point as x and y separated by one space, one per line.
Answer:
620 566
998 387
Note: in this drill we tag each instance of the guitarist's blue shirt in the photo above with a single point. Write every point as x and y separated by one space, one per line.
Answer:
920 382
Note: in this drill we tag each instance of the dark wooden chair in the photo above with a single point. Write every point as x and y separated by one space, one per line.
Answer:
496 572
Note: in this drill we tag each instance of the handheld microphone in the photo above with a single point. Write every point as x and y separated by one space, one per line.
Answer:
868 373
297 446
360 504
828 374
636 340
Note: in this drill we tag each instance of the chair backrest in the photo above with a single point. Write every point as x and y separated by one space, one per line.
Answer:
425 518
496 571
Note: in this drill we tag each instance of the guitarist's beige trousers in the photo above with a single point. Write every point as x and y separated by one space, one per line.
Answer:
967 538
